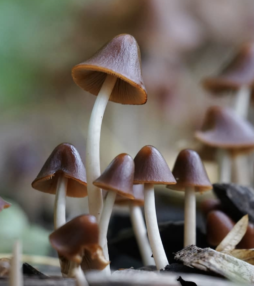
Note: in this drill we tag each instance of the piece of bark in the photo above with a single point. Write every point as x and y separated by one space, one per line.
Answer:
208 259
236 200
29 270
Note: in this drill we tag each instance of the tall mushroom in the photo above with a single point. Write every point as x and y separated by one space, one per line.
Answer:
138 223
63 174
229 133
114 74
79 237
151 169
116 179
191 177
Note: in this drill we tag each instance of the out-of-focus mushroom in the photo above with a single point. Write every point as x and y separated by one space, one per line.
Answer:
79 237
114 74
4 204
116 179
63 174
229 133
191 177
138 223
151 169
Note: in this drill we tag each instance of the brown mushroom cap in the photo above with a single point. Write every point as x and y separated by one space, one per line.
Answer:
138 193
218 225
224 129
151 168
239 72
119 57
189 171
118 176
64 160
71 239
4 204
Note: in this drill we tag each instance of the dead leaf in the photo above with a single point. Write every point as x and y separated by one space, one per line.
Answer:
5 264
234 236
246 255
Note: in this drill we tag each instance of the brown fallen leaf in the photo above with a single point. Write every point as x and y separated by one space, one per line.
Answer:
234 236
246 255
5 265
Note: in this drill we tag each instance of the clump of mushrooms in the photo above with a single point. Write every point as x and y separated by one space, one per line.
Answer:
114 74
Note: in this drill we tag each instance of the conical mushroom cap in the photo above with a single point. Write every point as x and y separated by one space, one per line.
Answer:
119 57
223 128
151 168
65 160
138 193
118 176
4 204
239 72
189 171
79 235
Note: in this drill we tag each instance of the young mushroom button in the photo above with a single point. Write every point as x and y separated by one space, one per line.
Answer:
151 169
229 133
116 179
191 177
114 74
63 174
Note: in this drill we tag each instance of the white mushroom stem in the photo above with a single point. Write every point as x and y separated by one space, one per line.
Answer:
103 226
242 101
159 255
95 201
189 217
60 202
224 166
140 232
80 277
16 277
241 170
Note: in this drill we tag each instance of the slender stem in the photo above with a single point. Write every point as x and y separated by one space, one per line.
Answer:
80 277
240 170
159 255
140 231
190 217
224 166
16 277
60 202
93 171
242 101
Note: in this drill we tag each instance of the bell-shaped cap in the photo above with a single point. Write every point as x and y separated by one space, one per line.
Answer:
189 171
218 225
78 236
4 204
239 72
151 168
138 193
64 160
119 57
224 129
118 176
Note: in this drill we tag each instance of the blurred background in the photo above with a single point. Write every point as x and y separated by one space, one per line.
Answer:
181 42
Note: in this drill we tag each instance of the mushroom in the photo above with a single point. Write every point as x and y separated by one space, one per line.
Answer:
151 169
238 76
229 133
4 204
63 174
191 177
138 223
114 74
116 179
16 276
79 237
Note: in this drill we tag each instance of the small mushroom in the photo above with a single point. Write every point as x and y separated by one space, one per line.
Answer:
114 74
63 174
79 237
138 223
229 133
151 169
4 204
191 177
116 179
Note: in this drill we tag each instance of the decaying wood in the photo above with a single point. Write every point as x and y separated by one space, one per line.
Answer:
223 264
